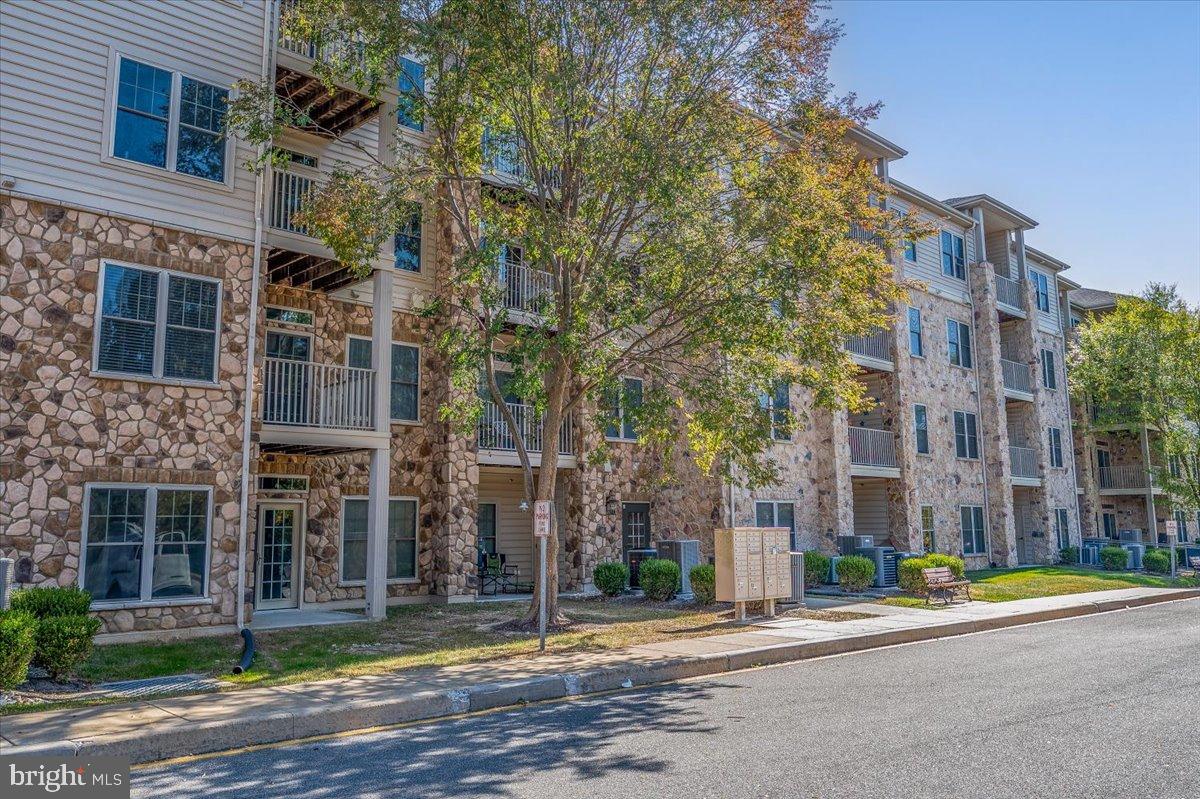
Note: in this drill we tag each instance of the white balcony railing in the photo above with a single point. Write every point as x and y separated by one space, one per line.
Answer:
525 288
308 48
289 190
871 447
305 394
1023 461
872 345
1121 477
1017 376
494 432
1008 292
502 155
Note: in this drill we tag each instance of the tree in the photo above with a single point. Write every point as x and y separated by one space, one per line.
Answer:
681 175
1140 364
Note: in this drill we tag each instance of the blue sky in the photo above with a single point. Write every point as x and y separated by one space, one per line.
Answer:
1083 115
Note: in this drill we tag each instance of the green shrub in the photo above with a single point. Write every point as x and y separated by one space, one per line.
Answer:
855 572
1068 555
704 583
17 630
61 643
912 580
42 603
1157 561
659 578
611 577
816 568
1114 558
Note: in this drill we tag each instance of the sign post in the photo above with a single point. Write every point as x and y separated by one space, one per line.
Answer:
1172 533
542 510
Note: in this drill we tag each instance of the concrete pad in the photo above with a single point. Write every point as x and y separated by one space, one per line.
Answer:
87 722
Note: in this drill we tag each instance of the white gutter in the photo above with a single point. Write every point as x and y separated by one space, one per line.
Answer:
252 335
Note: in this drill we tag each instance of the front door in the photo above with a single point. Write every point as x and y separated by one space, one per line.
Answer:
278 529
635 526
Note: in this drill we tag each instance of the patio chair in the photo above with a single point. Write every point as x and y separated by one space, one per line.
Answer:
494 574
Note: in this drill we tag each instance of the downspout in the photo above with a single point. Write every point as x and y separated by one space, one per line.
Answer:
252 335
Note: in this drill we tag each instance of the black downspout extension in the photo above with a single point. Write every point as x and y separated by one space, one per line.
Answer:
247 651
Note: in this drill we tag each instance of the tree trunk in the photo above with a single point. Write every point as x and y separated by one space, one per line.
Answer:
545 490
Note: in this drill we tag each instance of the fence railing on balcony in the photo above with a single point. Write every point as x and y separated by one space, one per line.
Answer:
872 345
308 49
1017 376
502 155
1118 477
289 190
1023 461
871 447
495 434
1008 292
306 394
525 288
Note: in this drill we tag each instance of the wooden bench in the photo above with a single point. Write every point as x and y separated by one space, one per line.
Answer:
941 582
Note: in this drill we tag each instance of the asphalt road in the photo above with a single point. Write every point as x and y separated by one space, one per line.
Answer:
1102 706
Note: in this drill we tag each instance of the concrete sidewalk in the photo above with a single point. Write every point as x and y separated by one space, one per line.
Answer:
173 727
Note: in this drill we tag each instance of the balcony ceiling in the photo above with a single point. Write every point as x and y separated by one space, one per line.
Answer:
302 270
333 113
313 450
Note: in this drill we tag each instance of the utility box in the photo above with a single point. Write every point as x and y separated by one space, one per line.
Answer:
754 564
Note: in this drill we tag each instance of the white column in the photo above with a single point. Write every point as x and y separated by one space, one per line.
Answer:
979 233
381 458
1021 274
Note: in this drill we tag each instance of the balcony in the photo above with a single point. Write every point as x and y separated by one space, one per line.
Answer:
330 113
504 163
498 444
872 351
1024 466
873 453
1018 379
1008 296
310 407
1123 480
525 289
289 190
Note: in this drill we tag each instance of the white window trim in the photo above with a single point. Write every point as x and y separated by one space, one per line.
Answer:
1054 371
1062 458
420 374
971 348
920 331
177 74
770 409
932 531
1033 275
1062 515
416 578
147 576
620 436
941 264
276 327
160 328
274 322
928 453
962 531
978 444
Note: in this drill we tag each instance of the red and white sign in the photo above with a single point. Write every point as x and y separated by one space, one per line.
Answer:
541 518
1172 529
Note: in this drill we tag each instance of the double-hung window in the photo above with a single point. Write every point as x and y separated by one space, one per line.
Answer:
910 250
406 375
401 539
928 533
1181 526
921 425
1041 289
408 240
777 514
1062 527
958 342
145 542
966 435
777 404
1056 449
954 260
621 404
1108 523
170 121
1049 372
411 84
486 527
971 517
157 324
915 345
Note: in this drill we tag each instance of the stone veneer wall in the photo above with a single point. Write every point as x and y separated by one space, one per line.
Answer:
64 427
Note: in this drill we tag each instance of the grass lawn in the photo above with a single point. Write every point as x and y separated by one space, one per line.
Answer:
1005 585
412 636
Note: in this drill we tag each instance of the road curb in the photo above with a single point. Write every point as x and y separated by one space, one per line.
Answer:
184 739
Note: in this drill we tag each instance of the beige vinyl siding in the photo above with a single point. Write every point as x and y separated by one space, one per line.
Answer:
871 509
928 267
874 417
55 62
1048 321
514 527
1000 254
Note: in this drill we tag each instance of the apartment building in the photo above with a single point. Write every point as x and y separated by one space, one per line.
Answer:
1119 495
208 420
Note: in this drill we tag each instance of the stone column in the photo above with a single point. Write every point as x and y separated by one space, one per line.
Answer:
904 504
835 490
1085 469
379 492
587 539
993 423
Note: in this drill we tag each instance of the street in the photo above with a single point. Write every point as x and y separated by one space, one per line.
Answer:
1101 706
